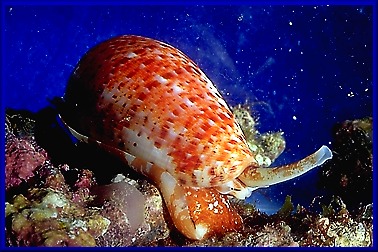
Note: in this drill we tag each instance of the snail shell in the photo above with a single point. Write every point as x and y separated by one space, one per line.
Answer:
149 104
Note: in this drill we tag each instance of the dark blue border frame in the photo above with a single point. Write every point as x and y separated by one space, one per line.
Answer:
375 177
4 4
2 133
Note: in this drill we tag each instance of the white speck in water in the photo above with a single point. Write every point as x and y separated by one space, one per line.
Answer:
240 18
294 118
290 23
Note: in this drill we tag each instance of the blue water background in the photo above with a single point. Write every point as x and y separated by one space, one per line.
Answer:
304 68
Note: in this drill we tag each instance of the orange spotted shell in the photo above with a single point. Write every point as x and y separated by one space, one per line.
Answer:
149 104
149 99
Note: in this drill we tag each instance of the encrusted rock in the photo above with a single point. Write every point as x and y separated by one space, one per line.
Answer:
350 172
266 146
46 217
23 156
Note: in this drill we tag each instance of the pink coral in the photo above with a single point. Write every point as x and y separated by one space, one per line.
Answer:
22 158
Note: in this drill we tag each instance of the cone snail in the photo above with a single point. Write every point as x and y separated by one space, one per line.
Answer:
147 103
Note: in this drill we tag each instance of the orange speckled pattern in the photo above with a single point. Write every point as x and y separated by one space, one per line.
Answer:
212 210
149 99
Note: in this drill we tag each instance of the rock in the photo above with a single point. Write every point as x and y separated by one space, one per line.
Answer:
266 146
23 156
350 172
